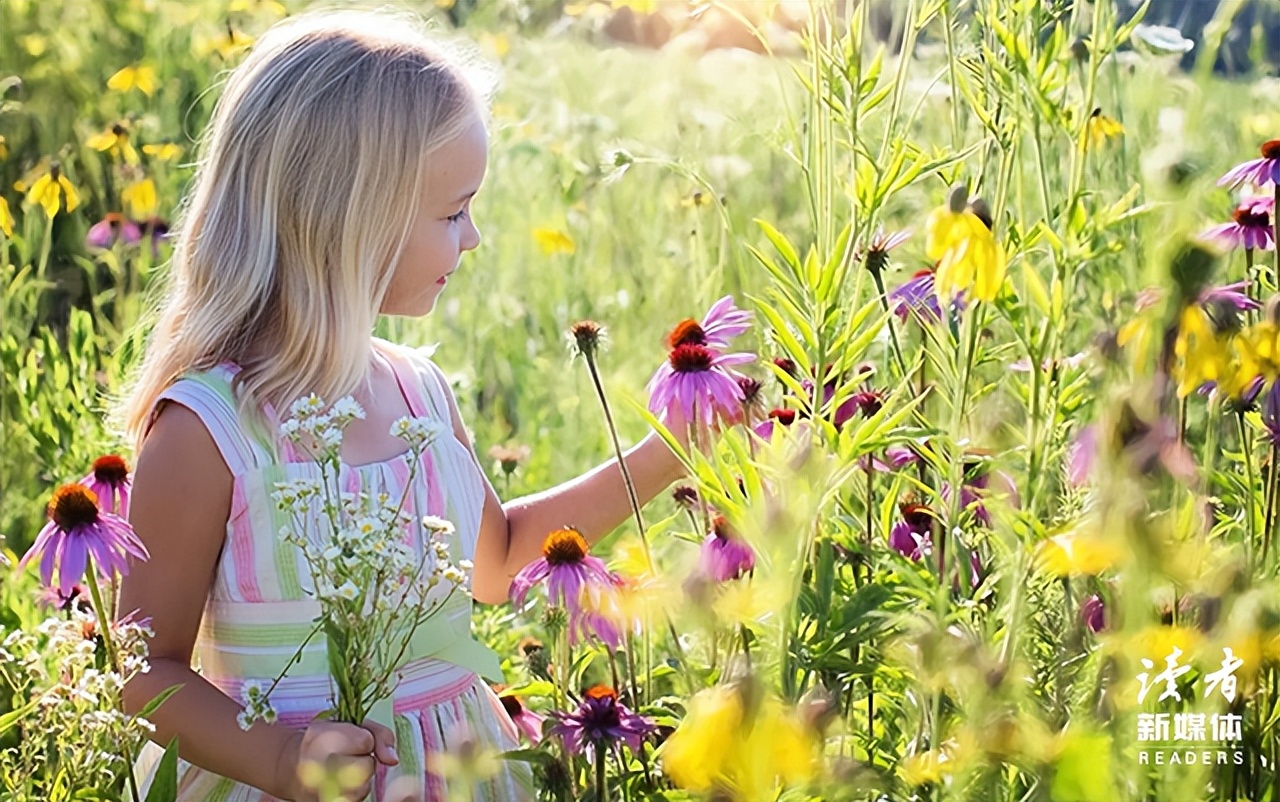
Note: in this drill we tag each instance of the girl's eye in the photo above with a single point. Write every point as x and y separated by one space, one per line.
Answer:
454 218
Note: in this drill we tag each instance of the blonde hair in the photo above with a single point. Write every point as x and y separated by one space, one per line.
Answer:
304 194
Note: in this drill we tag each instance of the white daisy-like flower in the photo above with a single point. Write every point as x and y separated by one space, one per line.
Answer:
306 407
348 590
347 409
437 525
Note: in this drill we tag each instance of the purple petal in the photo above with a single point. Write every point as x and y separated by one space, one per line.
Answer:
74 555
530 575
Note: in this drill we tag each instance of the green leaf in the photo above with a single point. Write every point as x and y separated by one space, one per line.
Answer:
528 756
165 786
155 703
14 716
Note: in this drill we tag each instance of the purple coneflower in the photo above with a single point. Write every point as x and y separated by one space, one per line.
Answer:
910 537
1232 295
1258 171
77 596
1248 229
568 570
695 382
916 295
110 482
1093 613
1081 455
877 257
895 457
724 321
78 530
864 402
599 722
110 229
725 555
777 417
526 721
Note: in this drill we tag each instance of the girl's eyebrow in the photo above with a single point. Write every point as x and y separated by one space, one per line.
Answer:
465 197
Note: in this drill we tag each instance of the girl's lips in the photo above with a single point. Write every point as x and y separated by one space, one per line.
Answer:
442 280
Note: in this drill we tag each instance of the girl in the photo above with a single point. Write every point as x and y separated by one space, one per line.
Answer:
335 186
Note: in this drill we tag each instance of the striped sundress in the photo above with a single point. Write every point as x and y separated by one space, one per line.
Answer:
259 610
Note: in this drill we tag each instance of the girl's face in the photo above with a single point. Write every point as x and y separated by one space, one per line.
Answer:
443 228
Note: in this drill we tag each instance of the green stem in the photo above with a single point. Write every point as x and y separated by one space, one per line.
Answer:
1246 447
113 659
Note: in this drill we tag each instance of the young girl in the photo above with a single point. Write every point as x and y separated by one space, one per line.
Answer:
335 185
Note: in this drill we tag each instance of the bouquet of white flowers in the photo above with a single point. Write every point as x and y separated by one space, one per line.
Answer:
374 589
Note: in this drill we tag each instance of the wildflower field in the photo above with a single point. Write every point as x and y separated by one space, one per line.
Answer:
980 345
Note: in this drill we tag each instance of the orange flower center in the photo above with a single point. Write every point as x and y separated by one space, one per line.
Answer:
602 692
691 358
110 469
1271 149
687 332
720 526
564 547
784 416
73 506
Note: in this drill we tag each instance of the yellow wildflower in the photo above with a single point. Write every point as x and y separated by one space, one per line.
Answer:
1198 351
1100 128
51 189
553 241
1077 554
114 140
968 254
4 149
6 218
141 77
141 198
162 152
718 748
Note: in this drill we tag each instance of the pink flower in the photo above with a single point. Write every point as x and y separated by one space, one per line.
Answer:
526 721
910 537
695 383
599 722
569 571
1258 171
725 555
110 229
1093 611
76 531
111 483
1248 229
724 321
1081 455
777 417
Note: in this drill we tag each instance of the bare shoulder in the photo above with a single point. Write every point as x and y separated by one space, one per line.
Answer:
179 508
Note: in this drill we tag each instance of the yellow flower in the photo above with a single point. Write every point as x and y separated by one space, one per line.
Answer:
717 747
1261 342
6 218
968 254
228 44
139 76
4 149
553 241
1199 352
51 189
114 140
1100 128
1076 554
163 152
141 198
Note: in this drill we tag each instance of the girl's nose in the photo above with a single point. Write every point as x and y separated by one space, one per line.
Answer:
470 236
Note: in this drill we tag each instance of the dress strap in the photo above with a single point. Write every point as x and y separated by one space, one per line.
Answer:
209 395
421 386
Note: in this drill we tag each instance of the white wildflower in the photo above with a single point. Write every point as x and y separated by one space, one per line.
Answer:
346 409
437 525
348 590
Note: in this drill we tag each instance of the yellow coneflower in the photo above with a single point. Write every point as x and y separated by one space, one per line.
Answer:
140 196
1099 128
553 241
1077 554
51 189
6 218
1199 352
166 151
4 148
114 140
969 256
138 76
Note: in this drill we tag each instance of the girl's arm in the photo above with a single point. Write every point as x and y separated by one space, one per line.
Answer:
595 503
181 500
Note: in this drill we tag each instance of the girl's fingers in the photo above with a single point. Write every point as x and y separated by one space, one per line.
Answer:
384 740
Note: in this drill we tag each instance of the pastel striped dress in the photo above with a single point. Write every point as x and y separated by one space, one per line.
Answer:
259 610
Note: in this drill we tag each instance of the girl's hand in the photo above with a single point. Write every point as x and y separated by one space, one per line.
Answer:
345 754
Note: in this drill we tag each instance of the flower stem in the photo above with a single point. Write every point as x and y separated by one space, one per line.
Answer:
1246 447
113 659
602 787
622 463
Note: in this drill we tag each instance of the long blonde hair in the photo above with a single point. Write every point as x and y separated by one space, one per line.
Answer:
304 194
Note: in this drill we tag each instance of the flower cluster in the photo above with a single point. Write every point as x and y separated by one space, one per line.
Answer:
376 583
696 382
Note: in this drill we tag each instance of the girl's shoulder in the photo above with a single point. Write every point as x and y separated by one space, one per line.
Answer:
210 394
